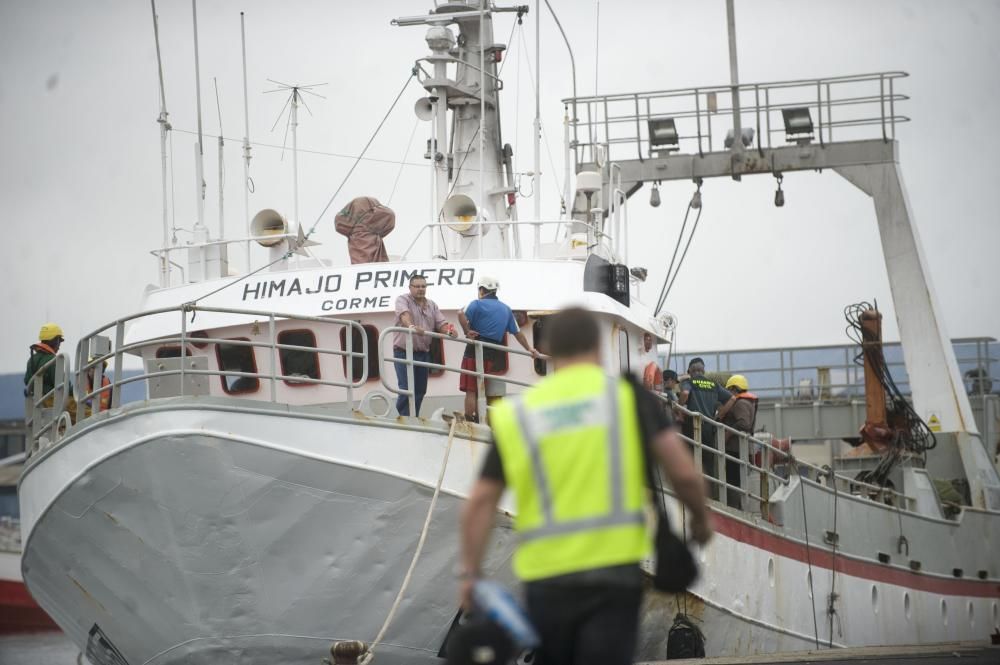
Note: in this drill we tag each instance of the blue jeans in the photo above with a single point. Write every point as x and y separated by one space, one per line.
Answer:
419 380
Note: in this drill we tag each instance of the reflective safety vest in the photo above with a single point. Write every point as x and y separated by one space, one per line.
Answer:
572 454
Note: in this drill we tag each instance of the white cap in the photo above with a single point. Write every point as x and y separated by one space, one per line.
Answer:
489 283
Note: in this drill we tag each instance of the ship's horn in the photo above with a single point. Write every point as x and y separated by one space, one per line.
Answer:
424 109
459 213
268 223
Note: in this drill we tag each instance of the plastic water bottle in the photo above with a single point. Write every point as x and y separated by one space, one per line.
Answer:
499 606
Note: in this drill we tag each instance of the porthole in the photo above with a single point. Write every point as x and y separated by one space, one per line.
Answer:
874 599
770 572
972 615
906 605
944 612
809 583
996 619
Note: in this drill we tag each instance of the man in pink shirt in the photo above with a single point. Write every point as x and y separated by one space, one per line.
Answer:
414 310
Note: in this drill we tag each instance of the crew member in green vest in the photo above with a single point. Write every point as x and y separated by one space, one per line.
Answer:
571 451
50 337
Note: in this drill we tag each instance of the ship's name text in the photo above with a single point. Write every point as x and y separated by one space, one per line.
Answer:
366 280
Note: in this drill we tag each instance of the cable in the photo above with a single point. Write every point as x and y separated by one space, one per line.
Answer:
369 654
402 164
805 523
912 433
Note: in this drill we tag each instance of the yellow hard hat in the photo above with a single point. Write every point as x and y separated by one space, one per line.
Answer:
739 381
49 331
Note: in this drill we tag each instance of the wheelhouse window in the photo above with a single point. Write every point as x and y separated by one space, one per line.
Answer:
237 358
168 352
298 362
359 362
437 357
501 359
539 342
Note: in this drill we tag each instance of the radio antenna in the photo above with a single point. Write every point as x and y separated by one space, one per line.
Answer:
164 128
246 141
292 104
222 171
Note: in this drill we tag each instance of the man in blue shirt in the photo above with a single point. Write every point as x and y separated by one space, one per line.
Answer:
488 320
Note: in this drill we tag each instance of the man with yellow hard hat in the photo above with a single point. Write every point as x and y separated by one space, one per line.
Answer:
572 449
741 416
47 347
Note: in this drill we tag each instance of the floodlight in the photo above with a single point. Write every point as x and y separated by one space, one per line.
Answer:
798 124
746 137
663 135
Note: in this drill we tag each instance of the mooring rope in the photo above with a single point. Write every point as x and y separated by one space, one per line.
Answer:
369 655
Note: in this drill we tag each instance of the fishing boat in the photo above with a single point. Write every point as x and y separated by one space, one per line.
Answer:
265 501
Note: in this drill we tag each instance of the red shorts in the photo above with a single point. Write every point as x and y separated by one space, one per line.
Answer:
467 382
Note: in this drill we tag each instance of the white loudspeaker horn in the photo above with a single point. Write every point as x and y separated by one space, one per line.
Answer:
268 222
424 109
459 213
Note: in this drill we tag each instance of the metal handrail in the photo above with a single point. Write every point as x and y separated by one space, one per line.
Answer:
479 373
789 370
40 423
435 225
848 484
701 107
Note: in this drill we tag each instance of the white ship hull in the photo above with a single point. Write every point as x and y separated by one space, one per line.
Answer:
195 532
190 534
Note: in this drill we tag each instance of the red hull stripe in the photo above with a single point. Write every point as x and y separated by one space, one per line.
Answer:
876 572
19 612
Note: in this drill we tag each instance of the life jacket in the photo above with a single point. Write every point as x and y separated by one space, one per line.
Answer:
571 451
104 394
42 347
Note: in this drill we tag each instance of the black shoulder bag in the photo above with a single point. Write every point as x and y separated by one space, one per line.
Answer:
676 569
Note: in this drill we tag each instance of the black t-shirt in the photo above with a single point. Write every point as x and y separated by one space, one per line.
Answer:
704 395
653 419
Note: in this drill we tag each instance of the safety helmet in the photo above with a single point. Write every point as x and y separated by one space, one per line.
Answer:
739 381
49 332
489 283
479 641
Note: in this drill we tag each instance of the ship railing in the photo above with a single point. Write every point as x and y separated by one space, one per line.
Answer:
596 236
846 107
766 466
51 415
479 373
829 373
199 255
46 411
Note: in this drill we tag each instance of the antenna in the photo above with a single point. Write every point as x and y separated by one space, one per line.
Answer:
200 232
292 103
222 171
164 128
246 140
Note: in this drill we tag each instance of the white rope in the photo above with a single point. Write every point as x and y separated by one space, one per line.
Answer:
369 655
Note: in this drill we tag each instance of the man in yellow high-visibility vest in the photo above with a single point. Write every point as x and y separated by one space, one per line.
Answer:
571 450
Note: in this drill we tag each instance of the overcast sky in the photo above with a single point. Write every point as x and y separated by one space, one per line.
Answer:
80 170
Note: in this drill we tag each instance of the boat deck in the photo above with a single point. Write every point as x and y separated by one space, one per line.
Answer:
969 653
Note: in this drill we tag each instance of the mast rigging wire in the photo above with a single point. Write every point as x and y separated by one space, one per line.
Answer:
668 281
319 218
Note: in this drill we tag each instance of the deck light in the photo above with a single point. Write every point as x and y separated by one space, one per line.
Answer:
663 135
654 196
779 195
746 137
798 124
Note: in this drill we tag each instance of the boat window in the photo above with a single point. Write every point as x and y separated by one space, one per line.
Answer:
296 362
237 358
437 356
371 332
501 362
169 352
538 341
623 361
